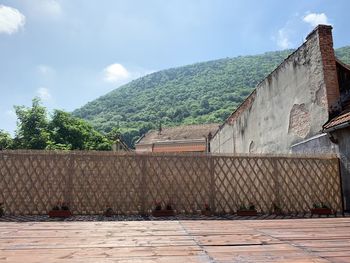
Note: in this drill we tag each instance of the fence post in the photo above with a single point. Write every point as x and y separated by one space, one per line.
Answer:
69 182
142 186
277 198
341 186
212 186
3 199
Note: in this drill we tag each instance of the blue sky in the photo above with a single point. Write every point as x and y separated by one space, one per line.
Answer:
69 52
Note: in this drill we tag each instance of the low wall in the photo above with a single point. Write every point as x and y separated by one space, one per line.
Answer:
319 144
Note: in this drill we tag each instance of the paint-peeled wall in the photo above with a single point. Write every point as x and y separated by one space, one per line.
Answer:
287 107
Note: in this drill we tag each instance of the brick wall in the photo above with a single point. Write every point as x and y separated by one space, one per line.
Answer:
329 65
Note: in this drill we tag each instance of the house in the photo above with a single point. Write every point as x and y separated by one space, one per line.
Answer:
301 107
191 138
338 128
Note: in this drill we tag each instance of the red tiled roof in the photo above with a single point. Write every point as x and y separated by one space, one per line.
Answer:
344 116
340 119
190 132
342 64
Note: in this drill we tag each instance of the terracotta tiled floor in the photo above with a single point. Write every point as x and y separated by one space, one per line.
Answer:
297 240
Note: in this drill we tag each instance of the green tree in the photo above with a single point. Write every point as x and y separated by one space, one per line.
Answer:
32 126
130 136
62 132
114 134
68 132
5 140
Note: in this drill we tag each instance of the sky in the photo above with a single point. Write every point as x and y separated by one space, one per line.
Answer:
69 52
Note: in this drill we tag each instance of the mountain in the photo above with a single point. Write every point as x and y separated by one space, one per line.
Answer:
205 92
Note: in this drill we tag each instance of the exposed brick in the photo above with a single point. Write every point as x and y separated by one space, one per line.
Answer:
329 65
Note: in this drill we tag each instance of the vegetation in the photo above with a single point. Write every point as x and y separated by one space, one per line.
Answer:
62 131
343 54
205 92
5 140
200 93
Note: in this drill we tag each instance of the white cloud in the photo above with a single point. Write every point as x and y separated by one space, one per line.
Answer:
315 19
293 33
11 20
43 94
286 36
283 39
116 73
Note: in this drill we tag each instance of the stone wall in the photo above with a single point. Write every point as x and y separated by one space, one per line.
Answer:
287 107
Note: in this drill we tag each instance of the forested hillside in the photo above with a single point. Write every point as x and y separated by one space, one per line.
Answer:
200 93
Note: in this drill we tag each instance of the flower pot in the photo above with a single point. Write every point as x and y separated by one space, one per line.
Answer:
60 213
321 211
278 213
206 213
247 213
163 213
108 214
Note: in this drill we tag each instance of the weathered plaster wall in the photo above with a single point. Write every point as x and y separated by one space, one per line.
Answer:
320 144
289 106
343 137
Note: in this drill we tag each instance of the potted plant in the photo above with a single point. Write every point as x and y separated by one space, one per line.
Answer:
321 209
158 206
60 211
277 210
159 212
2 210
247 211
206 211
109 212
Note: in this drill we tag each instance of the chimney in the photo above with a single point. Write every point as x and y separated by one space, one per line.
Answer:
210 136
325 40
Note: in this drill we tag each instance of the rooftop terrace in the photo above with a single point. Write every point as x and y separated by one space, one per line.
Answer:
298 240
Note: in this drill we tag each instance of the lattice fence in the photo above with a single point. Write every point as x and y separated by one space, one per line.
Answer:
32 182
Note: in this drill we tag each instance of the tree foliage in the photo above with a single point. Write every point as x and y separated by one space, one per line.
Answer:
75 133
205 92
5 140
343 54
200 93
32 132
35 130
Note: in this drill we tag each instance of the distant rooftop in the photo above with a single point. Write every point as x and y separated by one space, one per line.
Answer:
340 119
343 118
179 133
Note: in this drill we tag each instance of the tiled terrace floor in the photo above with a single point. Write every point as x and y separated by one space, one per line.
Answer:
287 240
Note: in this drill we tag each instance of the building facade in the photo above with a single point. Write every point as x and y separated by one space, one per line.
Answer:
301 107
289 106
191 138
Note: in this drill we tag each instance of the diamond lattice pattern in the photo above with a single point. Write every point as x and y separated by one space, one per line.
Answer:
32 182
